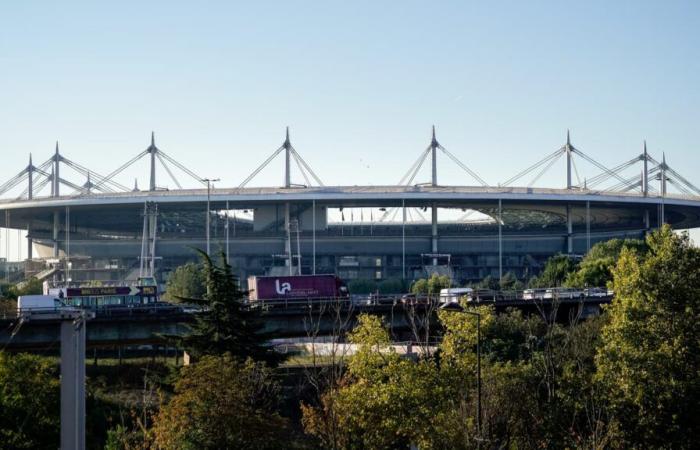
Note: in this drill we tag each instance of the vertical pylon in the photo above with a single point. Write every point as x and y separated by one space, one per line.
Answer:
645 171
434 145
663 175
56 173
152 150
287 163
30 178
568 160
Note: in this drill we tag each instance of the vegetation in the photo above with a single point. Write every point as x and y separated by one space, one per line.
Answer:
225 325
432 285
626 379
186 282
219 403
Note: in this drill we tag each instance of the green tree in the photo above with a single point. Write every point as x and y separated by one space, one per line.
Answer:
555 271
222 403
432 285
185 282
595 269
650 356
509 282
226 325
384 401
29 402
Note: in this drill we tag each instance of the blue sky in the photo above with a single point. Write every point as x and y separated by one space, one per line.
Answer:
359 83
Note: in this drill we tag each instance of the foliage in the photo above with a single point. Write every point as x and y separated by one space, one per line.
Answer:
556 270
226 325
220 403
31 286
29 402
432 285
185 282
509 282
650 357
362 286
595 269
384 400
391 286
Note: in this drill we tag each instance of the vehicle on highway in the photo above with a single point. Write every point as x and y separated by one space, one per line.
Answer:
296 287
39 303
452 295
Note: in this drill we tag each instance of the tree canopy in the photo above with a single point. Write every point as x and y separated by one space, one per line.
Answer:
219 403
226 325
186 282
650 357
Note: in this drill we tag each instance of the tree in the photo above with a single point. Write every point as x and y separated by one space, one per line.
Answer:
186 281
383 401
221 402
509 282
595 269
650 356
432 285
555 271
226 325
29 402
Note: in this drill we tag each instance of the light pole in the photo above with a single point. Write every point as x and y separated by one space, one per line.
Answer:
456 307
209 181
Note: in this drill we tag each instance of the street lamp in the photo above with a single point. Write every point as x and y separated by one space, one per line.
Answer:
208 181
456 307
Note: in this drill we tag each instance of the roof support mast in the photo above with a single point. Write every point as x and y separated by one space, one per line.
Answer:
434 145
56 173
645 171
287 161
152 150
30 178
568 160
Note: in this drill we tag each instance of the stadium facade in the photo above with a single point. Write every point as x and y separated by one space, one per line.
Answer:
102 230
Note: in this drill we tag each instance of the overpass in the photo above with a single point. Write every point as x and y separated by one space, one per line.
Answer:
146 325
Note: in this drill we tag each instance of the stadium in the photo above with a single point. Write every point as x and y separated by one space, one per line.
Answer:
81 225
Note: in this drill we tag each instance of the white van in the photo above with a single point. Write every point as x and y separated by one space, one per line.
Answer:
38 303
453 295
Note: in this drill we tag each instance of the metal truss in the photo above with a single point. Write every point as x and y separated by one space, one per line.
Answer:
290 153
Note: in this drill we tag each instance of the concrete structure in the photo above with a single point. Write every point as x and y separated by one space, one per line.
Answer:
103 230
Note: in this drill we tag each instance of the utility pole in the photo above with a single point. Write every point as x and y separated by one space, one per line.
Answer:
209 181
73 333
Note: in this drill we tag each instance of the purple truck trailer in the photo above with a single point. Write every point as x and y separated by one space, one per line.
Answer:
300 287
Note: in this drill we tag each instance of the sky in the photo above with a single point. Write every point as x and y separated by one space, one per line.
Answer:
358 83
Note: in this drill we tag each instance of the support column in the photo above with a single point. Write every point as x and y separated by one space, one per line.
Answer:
67 244
73 384
500 239
288 238
30 241
434 233
588 226
647 221
569 231
55 233
313 236
403 238
228 260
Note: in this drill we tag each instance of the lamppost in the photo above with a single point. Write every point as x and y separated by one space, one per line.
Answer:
456 307
208 181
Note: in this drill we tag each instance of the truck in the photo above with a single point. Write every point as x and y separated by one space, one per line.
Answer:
38 303
299 287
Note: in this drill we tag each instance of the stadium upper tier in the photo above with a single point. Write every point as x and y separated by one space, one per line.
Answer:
404 230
